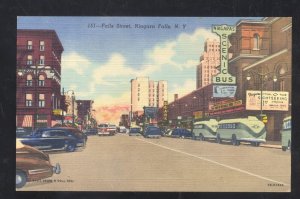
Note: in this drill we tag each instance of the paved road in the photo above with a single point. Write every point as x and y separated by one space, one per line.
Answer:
125 163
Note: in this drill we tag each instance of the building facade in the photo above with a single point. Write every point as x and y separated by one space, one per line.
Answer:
261 62
145 92
84 112
209 61
38 78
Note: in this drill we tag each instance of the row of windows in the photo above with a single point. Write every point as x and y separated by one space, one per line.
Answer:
41 80
228 126
41 60
30 44
29 100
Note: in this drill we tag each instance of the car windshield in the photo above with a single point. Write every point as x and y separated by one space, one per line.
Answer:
102 125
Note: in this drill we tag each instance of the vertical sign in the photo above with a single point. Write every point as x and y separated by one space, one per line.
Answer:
224 77
165 111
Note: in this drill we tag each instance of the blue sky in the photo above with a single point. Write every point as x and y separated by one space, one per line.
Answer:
98 63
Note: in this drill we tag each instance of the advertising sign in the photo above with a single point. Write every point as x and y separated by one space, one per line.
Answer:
271 100
165 111
150 112
224 31
197 115
224 91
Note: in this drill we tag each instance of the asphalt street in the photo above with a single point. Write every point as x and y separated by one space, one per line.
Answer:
134 163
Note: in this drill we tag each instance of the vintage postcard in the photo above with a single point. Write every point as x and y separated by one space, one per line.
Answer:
154 104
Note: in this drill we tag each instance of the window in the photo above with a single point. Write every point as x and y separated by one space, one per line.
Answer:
282 85
42 60
42 45
29 59
41 100
28 99
29 80
29 44
41 80
256 42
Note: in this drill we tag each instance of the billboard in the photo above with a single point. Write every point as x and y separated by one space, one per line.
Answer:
224 91
271 100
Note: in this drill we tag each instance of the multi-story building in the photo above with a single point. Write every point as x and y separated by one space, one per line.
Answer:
38 77
209 61
145 92
84 111
261 61
262 50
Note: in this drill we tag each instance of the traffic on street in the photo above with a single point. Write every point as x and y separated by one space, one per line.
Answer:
135 163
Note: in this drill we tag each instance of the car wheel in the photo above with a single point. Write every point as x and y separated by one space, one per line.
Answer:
218 139
21 179
70 147
234 141
283 148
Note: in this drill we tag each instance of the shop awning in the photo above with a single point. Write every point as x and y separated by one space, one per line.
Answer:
27 121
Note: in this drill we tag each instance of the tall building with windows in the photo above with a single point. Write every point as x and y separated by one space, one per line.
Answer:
38 77
145 92
209 61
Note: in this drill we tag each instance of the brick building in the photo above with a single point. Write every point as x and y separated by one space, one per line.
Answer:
38 77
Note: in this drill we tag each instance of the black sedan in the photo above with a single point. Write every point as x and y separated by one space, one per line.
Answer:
181 133
152 132
59 138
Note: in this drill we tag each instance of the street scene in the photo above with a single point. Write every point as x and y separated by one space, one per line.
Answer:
198 104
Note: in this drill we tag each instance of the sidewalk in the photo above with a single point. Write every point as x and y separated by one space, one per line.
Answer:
271 144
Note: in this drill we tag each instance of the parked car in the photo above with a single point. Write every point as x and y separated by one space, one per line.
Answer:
32 164
21 132
181 133
121 129
91 131
134 131
107 129
59 138
167 133
152 132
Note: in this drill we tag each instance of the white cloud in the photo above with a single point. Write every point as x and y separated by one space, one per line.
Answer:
181 89
76 62
181 53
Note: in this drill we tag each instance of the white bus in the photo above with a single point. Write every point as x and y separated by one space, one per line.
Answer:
242 130
205 129
286 139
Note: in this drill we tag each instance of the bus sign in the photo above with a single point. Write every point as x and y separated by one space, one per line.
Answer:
224 31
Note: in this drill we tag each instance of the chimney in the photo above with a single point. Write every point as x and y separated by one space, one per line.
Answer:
175 97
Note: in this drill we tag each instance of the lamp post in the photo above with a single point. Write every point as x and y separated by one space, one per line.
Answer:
73 102
262 78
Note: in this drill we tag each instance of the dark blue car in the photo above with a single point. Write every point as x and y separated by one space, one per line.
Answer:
181 133
152 132
60 138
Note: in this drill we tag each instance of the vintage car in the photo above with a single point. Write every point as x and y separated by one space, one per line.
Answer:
32 165
152 132
58 138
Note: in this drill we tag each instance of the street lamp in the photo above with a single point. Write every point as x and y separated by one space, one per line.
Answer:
73 100
262 78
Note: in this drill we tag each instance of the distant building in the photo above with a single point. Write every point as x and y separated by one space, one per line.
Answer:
145 92
209 61
84 111
38 78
